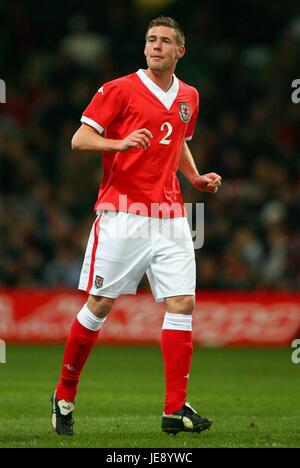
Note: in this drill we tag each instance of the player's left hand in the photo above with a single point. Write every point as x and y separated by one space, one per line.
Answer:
207 182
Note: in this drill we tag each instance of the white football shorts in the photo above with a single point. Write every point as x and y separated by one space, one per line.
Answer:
123 246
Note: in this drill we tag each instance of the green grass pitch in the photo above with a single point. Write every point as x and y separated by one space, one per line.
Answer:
251 394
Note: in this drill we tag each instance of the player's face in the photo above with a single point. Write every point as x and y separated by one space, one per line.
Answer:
162 50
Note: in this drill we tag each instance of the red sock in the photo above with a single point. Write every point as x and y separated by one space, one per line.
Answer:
78 348
177 349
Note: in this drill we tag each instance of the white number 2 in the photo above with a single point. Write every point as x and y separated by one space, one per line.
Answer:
164 140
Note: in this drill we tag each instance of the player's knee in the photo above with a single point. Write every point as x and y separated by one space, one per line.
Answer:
180 304
100 306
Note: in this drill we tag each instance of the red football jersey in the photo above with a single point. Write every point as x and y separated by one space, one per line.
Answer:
143 181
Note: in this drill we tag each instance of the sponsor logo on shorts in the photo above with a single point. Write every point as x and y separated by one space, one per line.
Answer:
98 282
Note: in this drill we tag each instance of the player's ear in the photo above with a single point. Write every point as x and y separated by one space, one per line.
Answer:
180 52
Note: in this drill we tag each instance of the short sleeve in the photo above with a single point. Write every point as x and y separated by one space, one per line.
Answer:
192 123
106 106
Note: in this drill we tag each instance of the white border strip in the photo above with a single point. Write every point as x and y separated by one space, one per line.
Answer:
166 98
92 123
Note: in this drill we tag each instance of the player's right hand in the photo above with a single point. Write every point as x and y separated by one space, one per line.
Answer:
137 139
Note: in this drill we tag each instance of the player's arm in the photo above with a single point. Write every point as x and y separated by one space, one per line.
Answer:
88 139
203 183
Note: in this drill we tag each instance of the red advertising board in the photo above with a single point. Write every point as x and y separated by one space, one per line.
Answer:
220 319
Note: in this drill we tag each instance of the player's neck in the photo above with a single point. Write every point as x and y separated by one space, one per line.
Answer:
163 80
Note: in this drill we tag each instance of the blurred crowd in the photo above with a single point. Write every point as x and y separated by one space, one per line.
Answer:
242 62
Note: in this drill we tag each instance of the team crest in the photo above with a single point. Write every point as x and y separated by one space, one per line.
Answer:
185 112
98 282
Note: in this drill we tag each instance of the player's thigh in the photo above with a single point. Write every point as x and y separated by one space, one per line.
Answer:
117 256
172 271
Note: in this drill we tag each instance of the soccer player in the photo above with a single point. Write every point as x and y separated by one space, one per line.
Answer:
141 123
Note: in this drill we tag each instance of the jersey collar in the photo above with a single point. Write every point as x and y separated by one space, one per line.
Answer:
166 98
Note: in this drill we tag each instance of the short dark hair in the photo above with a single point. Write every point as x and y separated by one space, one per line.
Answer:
170 23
